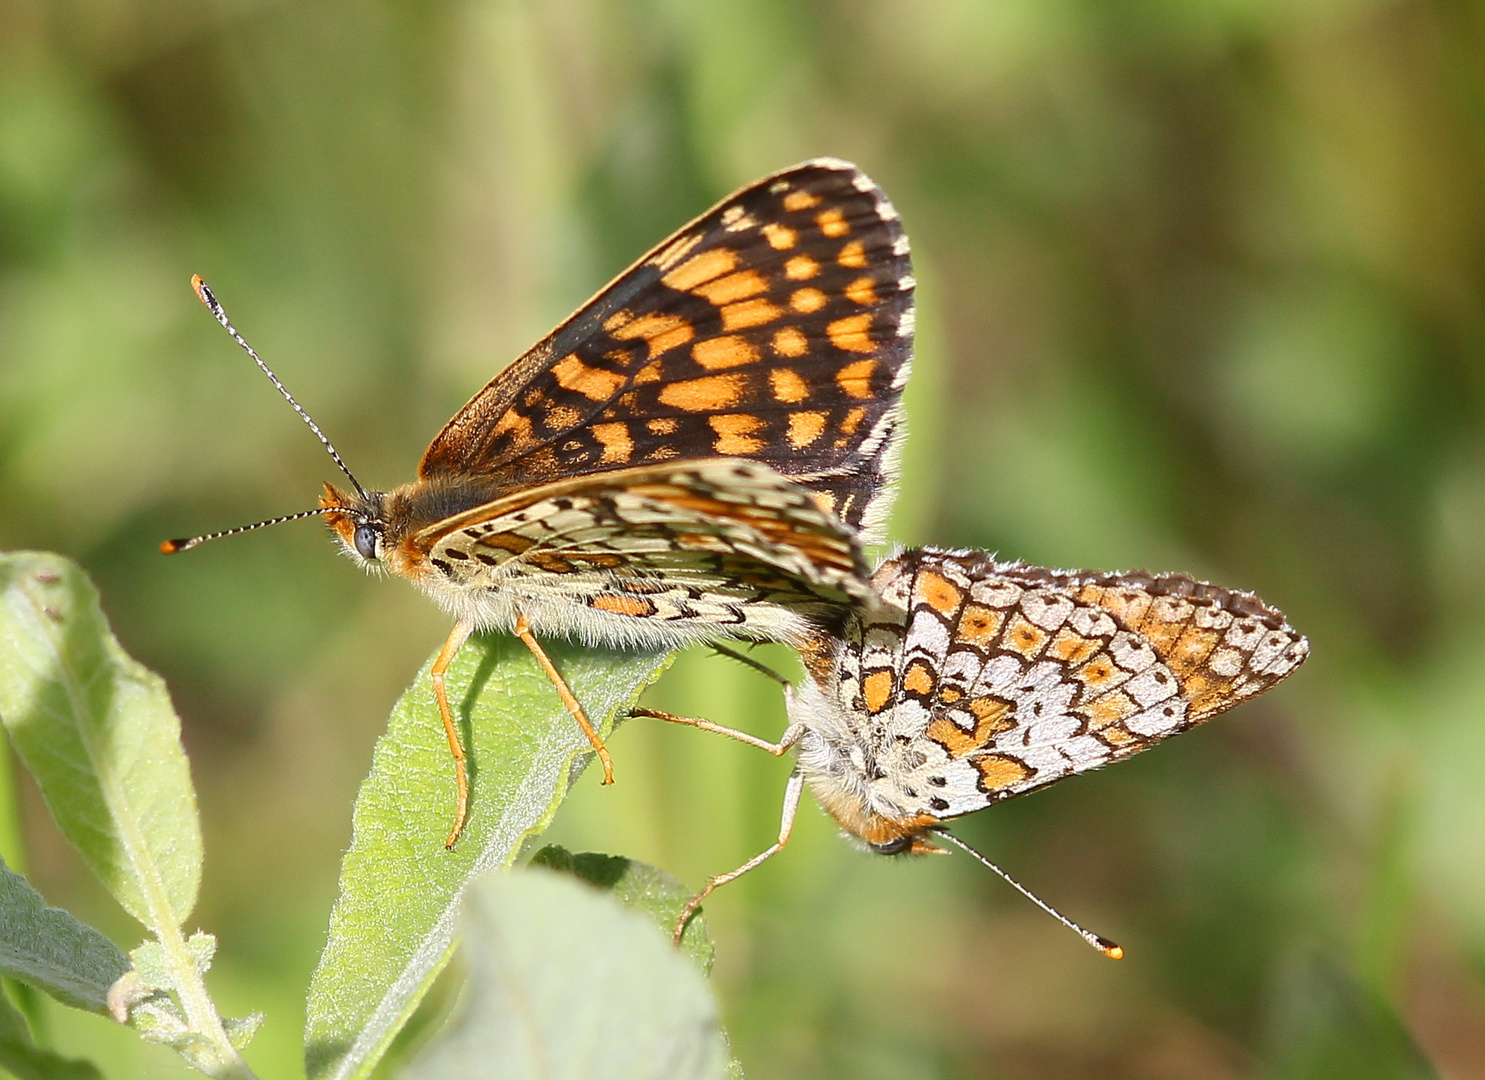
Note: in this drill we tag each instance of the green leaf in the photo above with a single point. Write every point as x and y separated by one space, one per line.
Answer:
565 984
648 889
97 731
392 929
640 886
242 1029
47 948
20 1057
152 965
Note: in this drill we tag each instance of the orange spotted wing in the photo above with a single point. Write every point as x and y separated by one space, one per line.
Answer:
776 327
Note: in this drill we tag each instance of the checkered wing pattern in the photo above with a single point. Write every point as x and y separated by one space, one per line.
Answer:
646 555
1004 678
776 327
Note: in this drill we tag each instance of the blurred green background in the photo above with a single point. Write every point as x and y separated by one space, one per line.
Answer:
1202 287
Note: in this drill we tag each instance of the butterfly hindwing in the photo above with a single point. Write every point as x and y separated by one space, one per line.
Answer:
1006 677
776 327
688 548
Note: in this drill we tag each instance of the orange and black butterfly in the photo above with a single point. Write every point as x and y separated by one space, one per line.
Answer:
698 452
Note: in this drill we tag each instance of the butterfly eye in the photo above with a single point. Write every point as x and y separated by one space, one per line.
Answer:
893 847
366 541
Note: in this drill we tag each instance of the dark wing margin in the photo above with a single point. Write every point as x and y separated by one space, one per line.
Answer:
775 327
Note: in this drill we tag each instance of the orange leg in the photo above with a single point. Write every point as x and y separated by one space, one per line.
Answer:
786 826
451 646
523 631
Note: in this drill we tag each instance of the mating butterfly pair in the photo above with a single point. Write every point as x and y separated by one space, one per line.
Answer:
700 452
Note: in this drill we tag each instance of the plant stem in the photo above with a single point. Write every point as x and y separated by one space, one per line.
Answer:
219 1059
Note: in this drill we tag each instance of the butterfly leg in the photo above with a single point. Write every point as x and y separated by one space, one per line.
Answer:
523 631
451 646
778 749
786 826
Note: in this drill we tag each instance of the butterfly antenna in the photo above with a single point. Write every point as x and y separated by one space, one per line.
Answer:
171 547
210 300
1102 944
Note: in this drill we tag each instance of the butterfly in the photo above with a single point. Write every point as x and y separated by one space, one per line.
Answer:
699 452
971 681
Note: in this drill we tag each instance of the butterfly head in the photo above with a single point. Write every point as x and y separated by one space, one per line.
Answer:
851 781
358 520
379 529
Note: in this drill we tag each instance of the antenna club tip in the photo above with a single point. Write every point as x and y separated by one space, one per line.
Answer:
170 547
201 289
1109 949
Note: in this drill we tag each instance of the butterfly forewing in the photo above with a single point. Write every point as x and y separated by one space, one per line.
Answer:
657 553
776 327
1003 678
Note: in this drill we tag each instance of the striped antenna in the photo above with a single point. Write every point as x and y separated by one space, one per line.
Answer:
172 547
1102 944
209 299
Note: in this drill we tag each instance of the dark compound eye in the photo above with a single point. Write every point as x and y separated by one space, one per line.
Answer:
893 847
366 541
